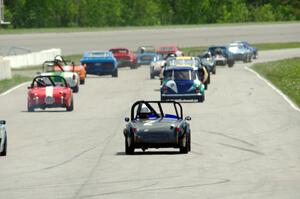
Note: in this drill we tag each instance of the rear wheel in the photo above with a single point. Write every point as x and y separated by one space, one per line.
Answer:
185 148
71 107
214 70
115 74
76 89
201 98
3 153
82 81
30 108
129 146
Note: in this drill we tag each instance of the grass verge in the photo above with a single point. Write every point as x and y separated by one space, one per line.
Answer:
284 74
6 84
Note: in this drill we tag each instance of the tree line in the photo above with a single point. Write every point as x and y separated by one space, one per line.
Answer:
110 13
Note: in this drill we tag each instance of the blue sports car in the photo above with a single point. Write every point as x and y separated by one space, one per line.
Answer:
146 58
253 49
100 63
240 52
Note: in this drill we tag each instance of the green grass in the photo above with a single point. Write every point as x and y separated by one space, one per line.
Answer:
284 74
95 29
9 83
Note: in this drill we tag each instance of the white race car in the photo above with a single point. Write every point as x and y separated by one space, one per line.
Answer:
3 138
54 68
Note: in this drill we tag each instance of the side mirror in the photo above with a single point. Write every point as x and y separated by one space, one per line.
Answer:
126 119
188 118
3 122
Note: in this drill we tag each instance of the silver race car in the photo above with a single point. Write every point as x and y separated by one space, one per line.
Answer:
157 124
3 138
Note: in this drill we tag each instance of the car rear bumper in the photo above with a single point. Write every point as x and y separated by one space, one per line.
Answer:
101 71
124 63
182 96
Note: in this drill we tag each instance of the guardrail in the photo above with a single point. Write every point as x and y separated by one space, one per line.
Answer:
5 70
32 59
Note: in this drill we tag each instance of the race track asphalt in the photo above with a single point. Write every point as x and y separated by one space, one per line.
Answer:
245 143
79 42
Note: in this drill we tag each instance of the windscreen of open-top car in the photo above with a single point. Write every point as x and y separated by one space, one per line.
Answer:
181 62
45 81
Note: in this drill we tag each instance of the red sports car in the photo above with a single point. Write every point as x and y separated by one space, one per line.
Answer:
49 91
124 57
166 50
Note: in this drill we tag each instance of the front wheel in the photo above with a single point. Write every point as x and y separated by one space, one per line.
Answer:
129 147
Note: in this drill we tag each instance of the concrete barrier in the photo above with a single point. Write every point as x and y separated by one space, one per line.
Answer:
32 59
5 70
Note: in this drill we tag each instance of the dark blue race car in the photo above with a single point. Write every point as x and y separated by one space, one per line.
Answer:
100 63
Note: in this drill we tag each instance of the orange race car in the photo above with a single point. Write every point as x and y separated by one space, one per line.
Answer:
69 66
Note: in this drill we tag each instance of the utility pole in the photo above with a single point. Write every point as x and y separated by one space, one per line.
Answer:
2 21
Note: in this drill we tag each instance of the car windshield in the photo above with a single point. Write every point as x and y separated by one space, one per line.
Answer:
181 62
182 74
147 49
99 54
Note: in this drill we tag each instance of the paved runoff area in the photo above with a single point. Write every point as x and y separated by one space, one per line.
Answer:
79 42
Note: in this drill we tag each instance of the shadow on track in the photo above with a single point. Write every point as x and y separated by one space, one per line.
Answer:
151 153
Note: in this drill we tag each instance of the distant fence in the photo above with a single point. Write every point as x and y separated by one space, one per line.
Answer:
32 59
5 70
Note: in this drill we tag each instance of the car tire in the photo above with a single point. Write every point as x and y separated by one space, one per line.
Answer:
189 141
151 76
4 152
185 149
115 73
30 108
82 81
71 107
129 150
76 89
230 63
201 98
205 86
214 70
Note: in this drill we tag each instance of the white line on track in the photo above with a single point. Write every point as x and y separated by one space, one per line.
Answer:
14 88
292 104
